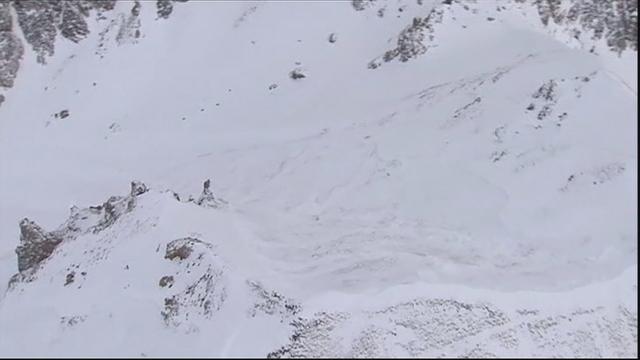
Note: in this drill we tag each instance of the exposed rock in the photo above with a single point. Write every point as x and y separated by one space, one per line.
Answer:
207 199
311 337
206 294
35 245
360 5
182 248
410 43
69 278
166 281
37 20
62 114
177 252
41 21
297 74
204 297
547 94
165 7
11 49
615 21
333 37
138 188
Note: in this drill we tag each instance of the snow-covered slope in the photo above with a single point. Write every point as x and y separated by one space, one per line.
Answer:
439 178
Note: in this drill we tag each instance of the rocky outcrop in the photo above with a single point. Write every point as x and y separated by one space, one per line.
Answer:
35 244
42 21
207 199
202 282
410 43
360 5
615 21
181 248
11 49
165 7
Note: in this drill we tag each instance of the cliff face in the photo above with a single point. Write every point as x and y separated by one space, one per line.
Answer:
41 22
11 48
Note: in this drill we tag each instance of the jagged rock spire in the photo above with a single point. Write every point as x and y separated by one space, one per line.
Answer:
207 199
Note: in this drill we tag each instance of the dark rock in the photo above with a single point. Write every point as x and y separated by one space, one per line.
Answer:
138 188
360 5
35 245
410 43
166 281
297 74
165 7
180 248
207 199
69 278
11 49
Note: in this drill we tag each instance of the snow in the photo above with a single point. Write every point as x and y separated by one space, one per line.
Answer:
352 191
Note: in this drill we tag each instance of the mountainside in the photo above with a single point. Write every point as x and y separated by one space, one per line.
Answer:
358 178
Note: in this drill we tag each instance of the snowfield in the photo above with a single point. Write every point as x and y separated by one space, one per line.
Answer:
476 200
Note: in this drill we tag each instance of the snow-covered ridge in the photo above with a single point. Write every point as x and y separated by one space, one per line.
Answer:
150 271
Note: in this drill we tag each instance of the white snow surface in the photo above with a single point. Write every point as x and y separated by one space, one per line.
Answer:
415 209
